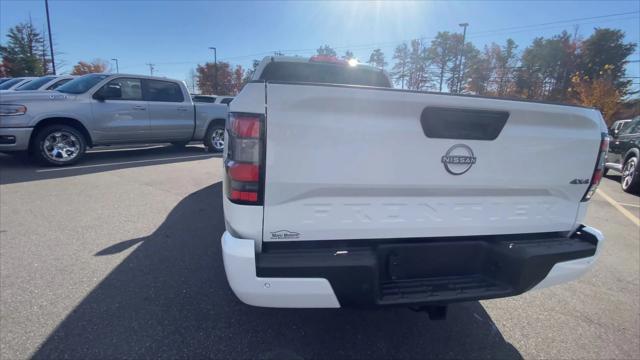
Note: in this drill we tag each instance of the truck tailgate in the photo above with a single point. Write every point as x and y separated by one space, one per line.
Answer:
348 162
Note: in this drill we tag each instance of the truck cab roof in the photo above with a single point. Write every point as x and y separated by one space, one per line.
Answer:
319 69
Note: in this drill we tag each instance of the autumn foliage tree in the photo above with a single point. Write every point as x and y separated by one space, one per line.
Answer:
96 66
227 81
599 92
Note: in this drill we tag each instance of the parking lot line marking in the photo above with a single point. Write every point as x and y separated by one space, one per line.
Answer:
632 205
619 207
123 163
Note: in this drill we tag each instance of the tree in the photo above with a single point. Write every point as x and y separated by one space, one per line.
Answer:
249 73
505 61
190 81
600 92
471 56
479 71
545 68
237 80
442 53
326 50
348 55
401 65
419 74
377 59
207 81
22 54
96 66
456 81
606 47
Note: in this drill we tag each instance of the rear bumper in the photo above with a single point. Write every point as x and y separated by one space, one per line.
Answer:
413 272
15 139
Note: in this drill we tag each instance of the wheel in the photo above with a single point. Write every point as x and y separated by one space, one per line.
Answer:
59 145
630 180
180 143
214 139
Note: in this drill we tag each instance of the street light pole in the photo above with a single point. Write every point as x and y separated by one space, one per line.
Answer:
460 67
117 67
53 61
215 70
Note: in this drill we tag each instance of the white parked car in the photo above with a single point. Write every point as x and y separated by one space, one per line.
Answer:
12 84
341 191
49 82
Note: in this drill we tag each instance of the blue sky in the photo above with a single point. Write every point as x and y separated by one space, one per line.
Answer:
175 35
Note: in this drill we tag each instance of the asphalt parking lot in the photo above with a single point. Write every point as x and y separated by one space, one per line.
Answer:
120 257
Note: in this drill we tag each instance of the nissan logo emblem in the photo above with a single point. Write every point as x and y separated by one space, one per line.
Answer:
458 159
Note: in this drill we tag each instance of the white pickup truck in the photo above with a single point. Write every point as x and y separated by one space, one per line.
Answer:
341 191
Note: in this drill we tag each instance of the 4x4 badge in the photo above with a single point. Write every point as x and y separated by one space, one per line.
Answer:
458 159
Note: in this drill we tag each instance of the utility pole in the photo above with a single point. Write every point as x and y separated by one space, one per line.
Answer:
44 56
151 68
53 62
215 70
117 67
460 68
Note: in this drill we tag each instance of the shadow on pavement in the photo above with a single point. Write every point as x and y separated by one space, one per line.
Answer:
18 167
170 299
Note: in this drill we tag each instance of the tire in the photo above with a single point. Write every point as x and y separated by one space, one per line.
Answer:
180 144
214 138
59 145
630 180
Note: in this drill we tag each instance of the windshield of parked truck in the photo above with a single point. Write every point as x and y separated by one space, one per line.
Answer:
326 73
35 84
81 84
8 84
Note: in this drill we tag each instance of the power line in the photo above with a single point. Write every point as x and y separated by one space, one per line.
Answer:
557 22
385 44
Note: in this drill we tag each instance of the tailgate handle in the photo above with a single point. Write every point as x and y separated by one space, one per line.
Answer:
462 124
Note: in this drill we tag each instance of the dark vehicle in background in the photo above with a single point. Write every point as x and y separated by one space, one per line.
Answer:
624 155
617 126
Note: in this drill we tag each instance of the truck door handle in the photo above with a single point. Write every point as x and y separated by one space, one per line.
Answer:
182 109
139 107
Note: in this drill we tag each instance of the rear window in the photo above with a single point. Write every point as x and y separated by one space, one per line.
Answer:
204 99
323 73
226 100
163 91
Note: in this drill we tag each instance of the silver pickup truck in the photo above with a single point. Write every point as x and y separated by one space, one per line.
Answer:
106 109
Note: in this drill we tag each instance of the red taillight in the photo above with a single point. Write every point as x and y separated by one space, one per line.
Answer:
243 158
244 196
246 127
243 172
598 172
